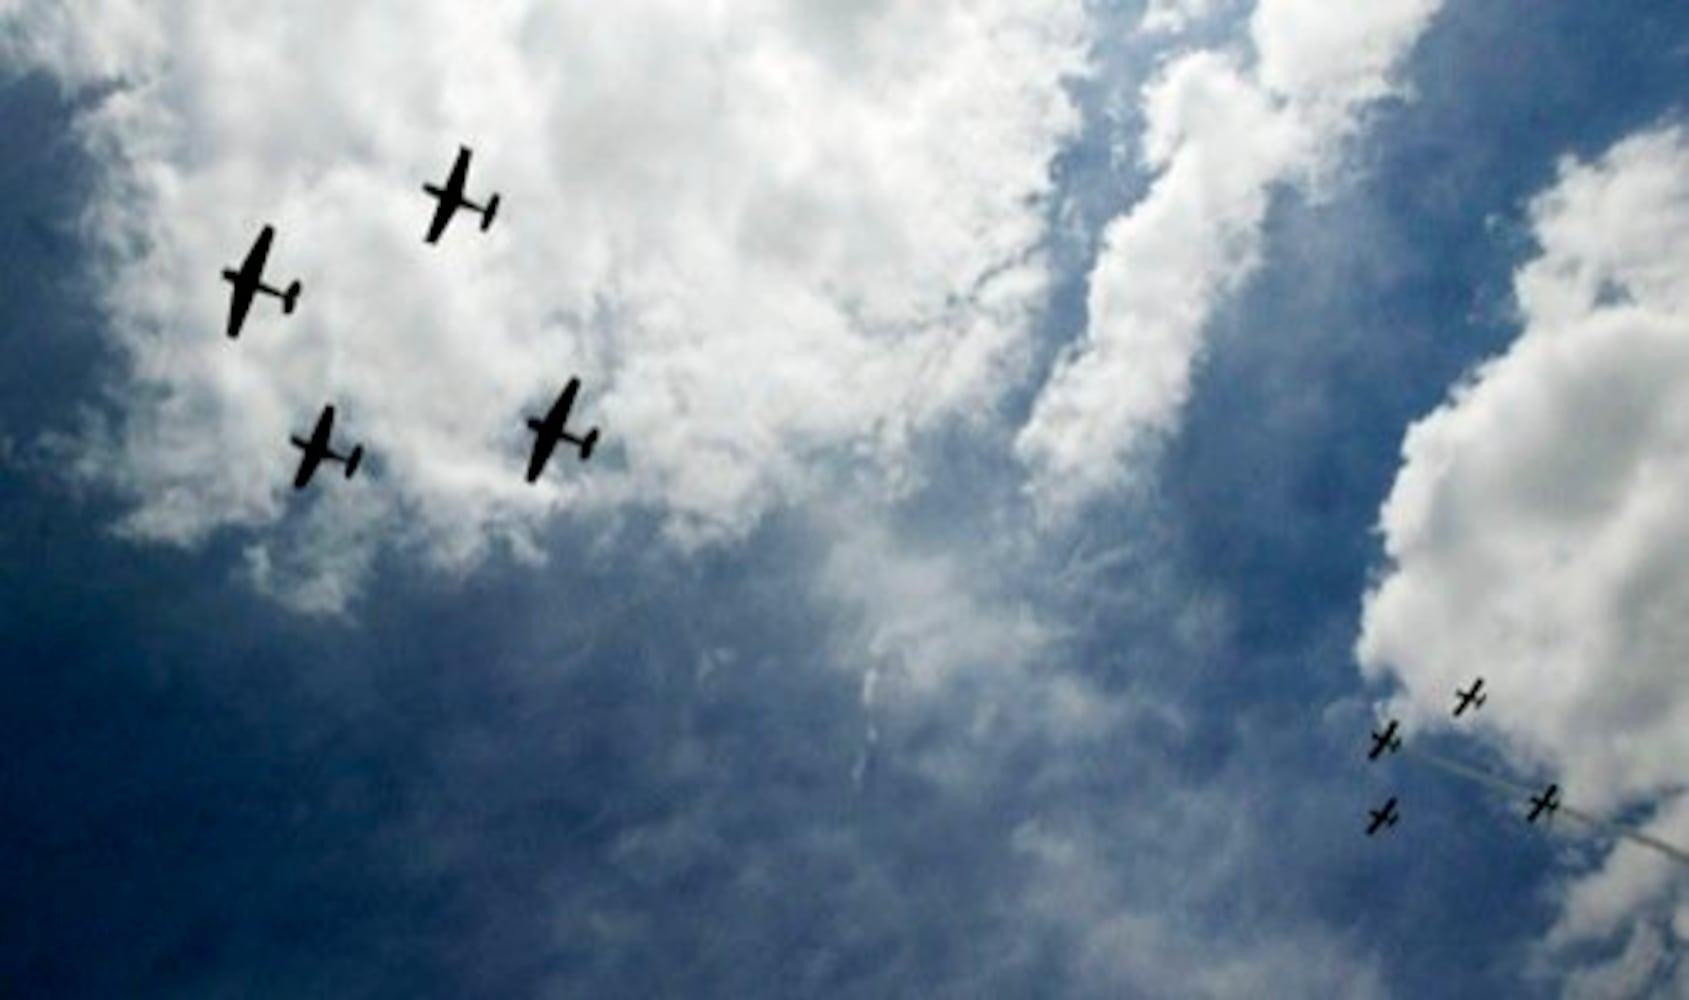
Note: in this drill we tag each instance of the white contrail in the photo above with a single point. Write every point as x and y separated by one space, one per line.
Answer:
1512 789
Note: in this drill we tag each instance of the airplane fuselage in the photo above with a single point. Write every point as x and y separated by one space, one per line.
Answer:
549 431
1546 802
1385 741
1473 698
451 197
317 450
1383 817
249 282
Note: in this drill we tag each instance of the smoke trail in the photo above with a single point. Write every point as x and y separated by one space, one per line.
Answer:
1510 789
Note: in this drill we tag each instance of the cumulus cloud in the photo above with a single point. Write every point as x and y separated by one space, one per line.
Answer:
1223 132
803 230
1536 532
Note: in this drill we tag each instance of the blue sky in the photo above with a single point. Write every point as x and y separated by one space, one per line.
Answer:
883 650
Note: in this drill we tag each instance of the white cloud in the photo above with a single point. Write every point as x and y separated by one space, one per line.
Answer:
1174 16
925 615
1634 972
977 681
1222 134
1318 60
1155 938
1536 530
761 238
1632 882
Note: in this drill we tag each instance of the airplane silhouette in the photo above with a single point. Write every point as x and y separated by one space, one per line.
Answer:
1387 740
1384 817
451 198
317 451
1546 802
1473 698
249 281
551 430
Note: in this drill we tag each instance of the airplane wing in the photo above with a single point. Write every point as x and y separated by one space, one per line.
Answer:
308 463
239 303
325 424
253 267
544 443
246 280
460 173
558 418
443 210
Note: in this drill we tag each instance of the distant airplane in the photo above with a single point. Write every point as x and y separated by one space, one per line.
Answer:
1546 802
549 431
1473 698
317 451
249 281
1387 740
451 198
1384 817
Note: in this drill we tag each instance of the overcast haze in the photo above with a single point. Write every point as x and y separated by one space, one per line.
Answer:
1040 440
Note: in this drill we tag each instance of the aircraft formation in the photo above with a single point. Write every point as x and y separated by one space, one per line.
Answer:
1389 741
248 283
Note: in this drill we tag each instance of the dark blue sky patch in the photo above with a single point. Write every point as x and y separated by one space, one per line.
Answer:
49 325
177 796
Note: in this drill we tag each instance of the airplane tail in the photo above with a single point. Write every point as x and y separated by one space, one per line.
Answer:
587 443
488 212
290 298
353 459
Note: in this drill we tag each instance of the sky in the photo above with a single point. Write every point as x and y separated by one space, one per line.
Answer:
1041 439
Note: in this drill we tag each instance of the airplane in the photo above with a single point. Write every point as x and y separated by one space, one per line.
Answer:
317 450
451 199
1387 740
549 431
1474 698
249 281
1546 802
1384 817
